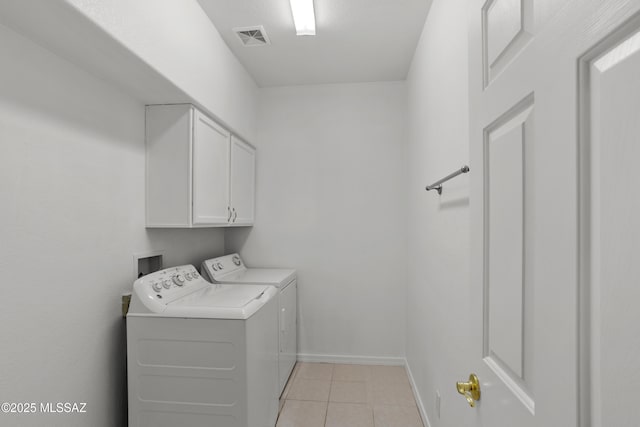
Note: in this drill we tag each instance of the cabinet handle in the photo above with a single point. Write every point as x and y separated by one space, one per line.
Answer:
235 214
229 217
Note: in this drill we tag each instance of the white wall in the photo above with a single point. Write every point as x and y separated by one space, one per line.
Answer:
72 190
438 251
331 203
177 39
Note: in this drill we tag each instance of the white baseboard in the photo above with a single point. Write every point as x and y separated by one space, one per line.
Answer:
423 411
360 360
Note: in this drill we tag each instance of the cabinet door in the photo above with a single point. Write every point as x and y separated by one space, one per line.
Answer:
243 167
210 172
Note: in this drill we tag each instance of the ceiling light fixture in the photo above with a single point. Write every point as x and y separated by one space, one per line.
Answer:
303 17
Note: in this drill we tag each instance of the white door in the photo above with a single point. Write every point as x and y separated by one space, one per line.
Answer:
528 247
243 181
210 172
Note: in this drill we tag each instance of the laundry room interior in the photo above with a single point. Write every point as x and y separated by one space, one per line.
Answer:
346 128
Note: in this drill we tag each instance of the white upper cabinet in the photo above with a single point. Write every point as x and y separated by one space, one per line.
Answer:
198 175
243 188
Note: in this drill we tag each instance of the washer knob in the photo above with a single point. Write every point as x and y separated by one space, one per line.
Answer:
156 286
194 274
187 276
214 266
178 280
220 266
236 260
166 284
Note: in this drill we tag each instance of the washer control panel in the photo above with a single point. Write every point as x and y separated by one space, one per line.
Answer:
171 283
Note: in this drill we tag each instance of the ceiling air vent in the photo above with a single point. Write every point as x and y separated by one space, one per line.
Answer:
252 36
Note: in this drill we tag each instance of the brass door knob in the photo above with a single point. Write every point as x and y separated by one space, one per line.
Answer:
470 390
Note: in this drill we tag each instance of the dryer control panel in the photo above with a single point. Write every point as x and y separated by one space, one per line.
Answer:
218 267
160 288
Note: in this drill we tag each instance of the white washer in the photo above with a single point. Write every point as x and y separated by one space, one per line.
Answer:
201 354
231 269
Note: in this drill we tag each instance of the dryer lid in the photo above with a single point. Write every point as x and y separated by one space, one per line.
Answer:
269 276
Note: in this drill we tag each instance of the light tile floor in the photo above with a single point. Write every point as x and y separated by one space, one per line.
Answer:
329 395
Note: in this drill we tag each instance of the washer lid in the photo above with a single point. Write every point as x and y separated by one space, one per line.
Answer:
269 276
221 302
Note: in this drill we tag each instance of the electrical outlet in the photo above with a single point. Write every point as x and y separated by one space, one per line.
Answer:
438 404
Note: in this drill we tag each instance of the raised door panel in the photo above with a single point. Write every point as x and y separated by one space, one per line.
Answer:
507 28
243 165
614 228
505 241
504 24
210 172
507 302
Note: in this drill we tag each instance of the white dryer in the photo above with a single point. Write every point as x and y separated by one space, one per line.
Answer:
201 354
231 269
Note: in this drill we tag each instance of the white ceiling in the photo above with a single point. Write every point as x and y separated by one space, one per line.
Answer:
355 41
